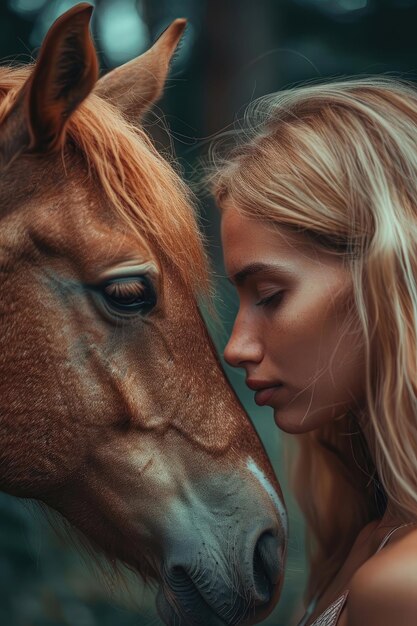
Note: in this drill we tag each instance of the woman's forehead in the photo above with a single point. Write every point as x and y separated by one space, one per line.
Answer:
240 229
251 243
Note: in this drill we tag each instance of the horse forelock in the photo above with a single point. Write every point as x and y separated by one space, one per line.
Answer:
143 189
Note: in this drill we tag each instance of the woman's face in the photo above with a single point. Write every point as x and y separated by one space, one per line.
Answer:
294 334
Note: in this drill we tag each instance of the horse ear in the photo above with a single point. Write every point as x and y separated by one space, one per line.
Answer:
65 72
136 85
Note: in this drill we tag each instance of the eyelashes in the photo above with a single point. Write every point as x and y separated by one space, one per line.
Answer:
129 295
272 300
128 291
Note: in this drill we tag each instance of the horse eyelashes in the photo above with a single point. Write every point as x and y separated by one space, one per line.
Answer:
130 294
124 290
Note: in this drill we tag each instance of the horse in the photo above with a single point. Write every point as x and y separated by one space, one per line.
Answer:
114 407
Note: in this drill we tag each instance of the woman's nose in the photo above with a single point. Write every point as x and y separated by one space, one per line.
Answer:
242 347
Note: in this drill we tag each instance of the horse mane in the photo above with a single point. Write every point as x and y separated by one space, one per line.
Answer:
142 187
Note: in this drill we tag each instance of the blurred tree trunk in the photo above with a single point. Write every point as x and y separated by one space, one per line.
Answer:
240 66
240 60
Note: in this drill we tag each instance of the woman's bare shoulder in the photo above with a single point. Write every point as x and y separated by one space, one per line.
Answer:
383 590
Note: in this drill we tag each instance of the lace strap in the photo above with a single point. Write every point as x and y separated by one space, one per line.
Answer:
331 615
390 533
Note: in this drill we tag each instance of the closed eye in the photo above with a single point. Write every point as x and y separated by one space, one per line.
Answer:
130 294
272 300
126 296
125 292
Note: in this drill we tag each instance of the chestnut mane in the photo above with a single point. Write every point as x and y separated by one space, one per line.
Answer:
142 187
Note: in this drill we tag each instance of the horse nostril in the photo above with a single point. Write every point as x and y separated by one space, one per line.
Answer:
266 565
180 582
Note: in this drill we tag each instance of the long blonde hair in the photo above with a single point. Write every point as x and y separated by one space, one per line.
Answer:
338 161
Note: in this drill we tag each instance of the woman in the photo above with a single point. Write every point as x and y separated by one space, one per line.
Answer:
319 232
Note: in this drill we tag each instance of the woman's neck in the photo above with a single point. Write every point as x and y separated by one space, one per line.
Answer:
391 518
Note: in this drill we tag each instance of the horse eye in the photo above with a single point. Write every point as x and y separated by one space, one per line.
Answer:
130 294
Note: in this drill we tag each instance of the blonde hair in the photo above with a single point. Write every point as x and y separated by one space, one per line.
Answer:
338 161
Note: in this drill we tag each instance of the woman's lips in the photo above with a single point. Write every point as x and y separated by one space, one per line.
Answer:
263 396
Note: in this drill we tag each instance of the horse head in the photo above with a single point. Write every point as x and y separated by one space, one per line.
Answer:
114 408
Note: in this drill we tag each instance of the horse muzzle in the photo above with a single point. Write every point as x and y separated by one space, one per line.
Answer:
227 569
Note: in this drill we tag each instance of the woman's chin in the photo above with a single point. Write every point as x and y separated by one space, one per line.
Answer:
293 424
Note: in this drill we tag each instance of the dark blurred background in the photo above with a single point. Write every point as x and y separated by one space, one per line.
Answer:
233 51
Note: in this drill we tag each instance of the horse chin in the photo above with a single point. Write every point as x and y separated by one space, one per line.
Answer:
202 612
178 617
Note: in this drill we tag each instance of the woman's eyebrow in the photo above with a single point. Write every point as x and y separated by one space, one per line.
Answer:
255 268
